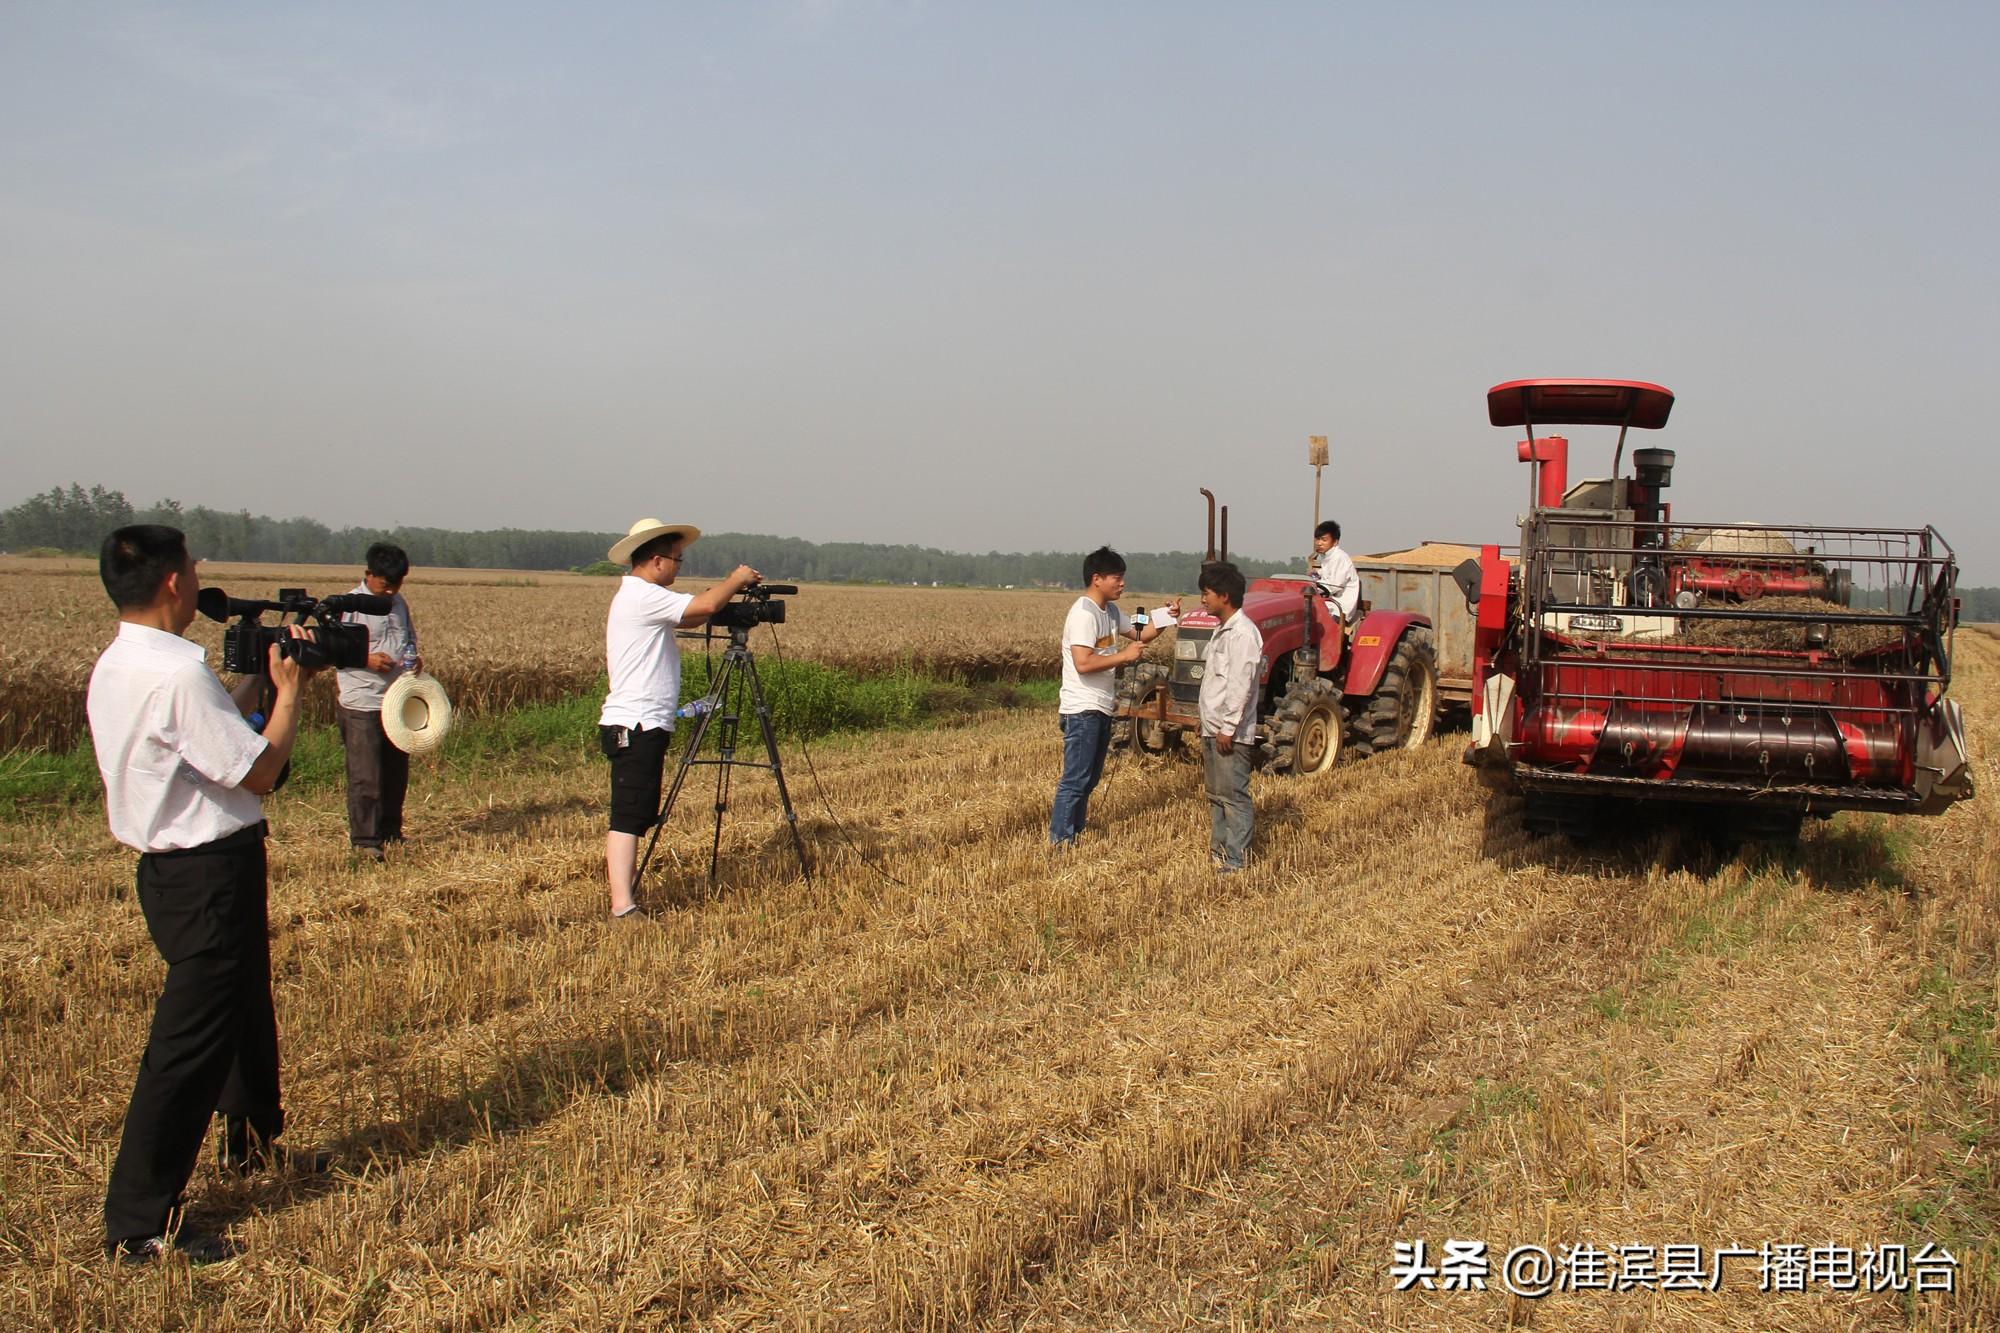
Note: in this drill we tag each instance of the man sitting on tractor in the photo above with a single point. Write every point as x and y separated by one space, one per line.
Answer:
1338 581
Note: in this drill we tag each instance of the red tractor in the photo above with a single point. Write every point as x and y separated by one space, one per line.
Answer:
1763 672
1325 688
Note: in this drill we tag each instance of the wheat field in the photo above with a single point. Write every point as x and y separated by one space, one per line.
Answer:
954 1080
498 639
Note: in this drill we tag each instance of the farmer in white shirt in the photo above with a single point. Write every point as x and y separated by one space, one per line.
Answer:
183 773
1090 661
636 725
1228 705
1336 573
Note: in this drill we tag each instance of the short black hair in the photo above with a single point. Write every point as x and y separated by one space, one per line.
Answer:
134 561
1328 529
1100 562
390 561
1220 576
661 545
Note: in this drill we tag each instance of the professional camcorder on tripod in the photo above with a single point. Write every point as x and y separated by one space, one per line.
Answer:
734 689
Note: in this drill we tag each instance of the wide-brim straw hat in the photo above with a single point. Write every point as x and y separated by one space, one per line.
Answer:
416 715
645 530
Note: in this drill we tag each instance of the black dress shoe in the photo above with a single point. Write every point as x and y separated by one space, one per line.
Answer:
194 1247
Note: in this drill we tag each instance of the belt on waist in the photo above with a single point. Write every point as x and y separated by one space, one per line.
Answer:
248 836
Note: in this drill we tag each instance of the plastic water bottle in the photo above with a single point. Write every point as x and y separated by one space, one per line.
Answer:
409 656
697 708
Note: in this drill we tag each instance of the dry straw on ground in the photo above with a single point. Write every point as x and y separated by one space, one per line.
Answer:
956 1081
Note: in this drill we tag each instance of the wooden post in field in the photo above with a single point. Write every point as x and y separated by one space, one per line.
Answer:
1316 455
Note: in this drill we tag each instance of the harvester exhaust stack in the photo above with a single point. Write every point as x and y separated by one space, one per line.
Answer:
1550 454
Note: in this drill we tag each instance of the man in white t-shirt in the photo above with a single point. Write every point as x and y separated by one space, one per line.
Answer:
1090 661
184 775
636 725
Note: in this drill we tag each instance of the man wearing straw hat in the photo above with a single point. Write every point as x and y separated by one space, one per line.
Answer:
636 726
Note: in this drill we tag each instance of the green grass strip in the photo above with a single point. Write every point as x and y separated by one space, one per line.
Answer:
806 700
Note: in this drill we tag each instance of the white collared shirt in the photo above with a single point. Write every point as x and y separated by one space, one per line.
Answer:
1229 672
171 745
641 656
1341 581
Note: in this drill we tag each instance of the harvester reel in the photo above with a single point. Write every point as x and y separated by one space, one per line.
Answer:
1402 712
1305 731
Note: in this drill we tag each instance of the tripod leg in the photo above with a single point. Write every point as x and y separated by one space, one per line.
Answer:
777 768
695 738
731 709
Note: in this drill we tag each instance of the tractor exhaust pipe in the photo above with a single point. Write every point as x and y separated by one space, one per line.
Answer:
1225 532
1209 553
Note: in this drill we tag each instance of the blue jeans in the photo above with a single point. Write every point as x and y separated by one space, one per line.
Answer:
1227 778
1086 738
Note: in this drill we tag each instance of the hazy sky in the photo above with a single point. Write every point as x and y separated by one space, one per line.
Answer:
1001 275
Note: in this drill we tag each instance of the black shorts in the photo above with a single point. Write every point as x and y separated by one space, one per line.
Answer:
635 774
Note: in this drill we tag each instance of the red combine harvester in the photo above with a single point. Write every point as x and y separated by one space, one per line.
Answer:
1764 672
1374 688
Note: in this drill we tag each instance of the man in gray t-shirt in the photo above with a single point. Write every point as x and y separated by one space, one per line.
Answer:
378 774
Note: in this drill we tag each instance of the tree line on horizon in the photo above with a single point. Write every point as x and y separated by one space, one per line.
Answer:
74 521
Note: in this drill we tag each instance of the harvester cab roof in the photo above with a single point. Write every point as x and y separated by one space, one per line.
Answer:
1622 403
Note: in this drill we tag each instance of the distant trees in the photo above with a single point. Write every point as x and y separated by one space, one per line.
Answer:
76 520
1981 605
64 520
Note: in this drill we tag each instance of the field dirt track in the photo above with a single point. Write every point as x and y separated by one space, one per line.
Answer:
957 1081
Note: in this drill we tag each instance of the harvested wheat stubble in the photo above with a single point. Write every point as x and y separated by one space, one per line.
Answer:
996 1087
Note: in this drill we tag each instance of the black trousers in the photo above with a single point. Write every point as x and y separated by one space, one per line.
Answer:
214 1042
378 774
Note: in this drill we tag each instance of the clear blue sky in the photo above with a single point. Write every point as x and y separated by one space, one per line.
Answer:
993 276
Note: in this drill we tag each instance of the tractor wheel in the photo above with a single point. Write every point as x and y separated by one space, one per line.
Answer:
1304 732
1403 710
1141 683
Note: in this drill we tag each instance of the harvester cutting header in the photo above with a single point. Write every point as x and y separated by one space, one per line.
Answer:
1769 671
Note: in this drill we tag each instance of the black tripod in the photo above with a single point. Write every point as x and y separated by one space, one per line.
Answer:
735 685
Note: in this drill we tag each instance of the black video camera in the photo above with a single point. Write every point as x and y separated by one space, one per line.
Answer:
246 644
755 607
